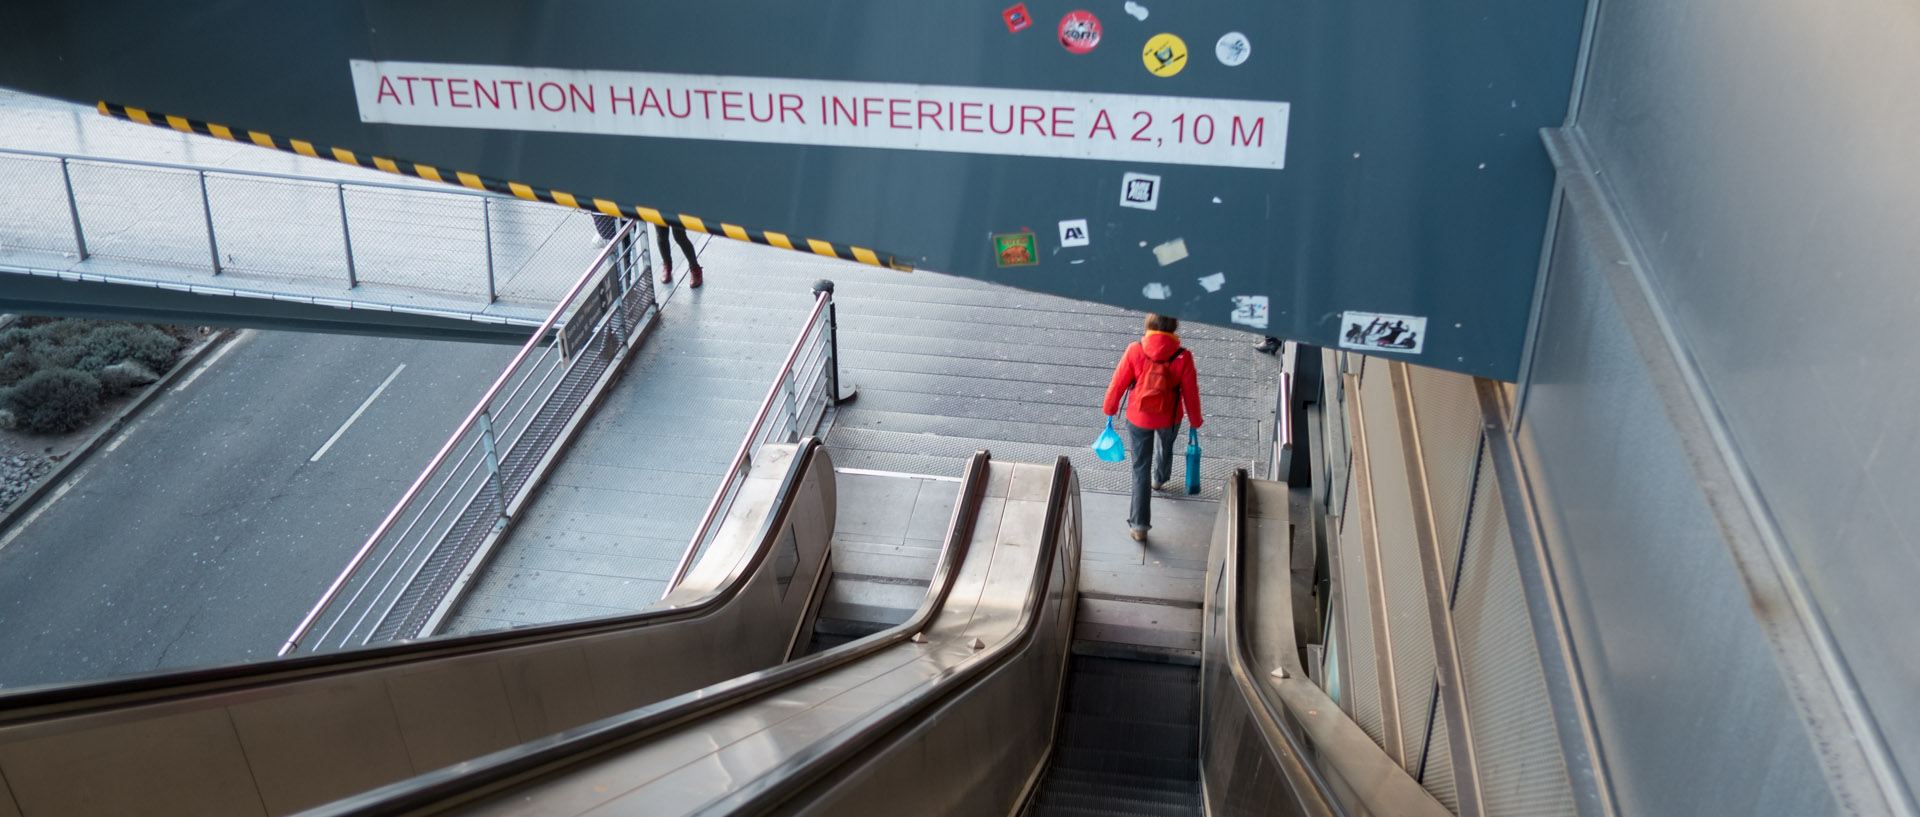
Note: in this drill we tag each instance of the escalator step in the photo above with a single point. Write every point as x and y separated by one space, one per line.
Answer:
1140 700
1115 802
1176 741
1128 764
1077 811
1124 788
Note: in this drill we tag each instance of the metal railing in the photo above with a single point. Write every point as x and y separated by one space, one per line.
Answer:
305 229
410 561
807 384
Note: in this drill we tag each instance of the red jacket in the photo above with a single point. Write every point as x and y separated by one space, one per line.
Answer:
1133 366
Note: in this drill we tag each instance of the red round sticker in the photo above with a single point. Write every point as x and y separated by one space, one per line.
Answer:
1079 31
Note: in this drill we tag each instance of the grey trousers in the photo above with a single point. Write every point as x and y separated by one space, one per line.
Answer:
1141 443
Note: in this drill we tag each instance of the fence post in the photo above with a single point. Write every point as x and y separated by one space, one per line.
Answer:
833 346
73 209
486 224
346 236
487 445
206 206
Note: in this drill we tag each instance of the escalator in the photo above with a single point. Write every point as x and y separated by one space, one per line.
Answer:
279 736
954 711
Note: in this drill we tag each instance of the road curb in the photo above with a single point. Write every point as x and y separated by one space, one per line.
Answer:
31 499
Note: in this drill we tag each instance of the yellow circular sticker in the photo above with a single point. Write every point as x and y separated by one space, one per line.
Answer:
1164 55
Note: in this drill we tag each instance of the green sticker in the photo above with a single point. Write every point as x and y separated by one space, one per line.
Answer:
1015 250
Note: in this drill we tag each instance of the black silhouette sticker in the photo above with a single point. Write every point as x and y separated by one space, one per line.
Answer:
1374 332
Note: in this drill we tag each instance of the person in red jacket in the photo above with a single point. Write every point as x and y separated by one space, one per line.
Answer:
1135 376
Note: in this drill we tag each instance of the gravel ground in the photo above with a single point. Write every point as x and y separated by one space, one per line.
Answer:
18 471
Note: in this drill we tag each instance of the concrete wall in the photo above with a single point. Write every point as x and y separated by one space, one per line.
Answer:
1717 422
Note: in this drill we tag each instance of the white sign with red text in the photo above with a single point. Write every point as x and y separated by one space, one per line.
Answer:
896 116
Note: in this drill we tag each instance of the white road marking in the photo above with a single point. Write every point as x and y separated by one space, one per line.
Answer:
220 353
44 505
356 413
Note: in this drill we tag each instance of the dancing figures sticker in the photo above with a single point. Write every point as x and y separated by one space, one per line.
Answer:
1164 55
1372 331
1079 31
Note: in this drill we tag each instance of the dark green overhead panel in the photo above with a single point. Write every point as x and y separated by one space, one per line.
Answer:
1360 173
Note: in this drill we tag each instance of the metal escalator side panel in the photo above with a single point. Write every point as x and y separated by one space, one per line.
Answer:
827 733
298 732
684 719
1271 740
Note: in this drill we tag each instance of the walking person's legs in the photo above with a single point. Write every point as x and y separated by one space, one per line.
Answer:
666 253
693 259
1140 513
1163 467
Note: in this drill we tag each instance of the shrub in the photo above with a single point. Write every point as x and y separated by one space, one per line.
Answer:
16 364
113 343
53 401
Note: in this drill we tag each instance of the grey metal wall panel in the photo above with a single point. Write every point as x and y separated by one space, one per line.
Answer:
1410 633
1763 158
1361 690
1448 414
1691 713
1436 772
1522 772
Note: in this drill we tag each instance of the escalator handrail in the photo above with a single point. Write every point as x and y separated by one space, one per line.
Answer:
1353 755
799 773
1284 746
70 700
501 770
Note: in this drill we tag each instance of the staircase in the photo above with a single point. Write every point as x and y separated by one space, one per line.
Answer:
1128 744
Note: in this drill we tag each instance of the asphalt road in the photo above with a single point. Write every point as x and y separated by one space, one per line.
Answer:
202 533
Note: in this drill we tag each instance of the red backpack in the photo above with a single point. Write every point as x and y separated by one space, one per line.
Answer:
1158 391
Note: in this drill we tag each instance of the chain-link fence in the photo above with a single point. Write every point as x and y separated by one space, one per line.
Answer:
452 243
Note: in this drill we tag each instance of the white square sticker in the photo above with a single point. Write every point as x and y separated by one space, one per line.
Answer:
1372 331
1073 233
1140 191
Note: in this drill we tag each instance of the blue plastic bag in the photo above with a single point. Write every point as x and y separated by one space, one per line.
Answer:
1193 461
1108 445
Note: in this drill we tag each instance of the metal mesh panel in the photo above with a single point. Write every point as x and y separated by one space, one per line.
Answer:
1521 769
33 206
1362 692
522 230
1409 633
1448 414
1438 775
422 240
278 228
167 226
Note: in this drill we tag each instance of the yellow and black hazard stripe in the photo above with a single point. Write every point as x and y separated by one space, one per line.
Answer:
492 185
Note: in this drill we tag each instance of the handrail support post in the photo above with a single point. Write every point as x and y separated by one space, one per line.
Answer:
346 237
488 445
206 207
486 229
73 209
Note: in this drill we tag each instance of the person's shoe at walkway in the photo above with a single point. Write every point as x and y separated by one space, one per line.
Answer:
1138 535
1268 346
666 274
693 278
1161 485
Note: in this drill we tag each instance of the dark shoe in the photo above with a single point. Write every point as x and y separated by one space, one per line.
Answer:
666 274
1138 535
693 280
1268 346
